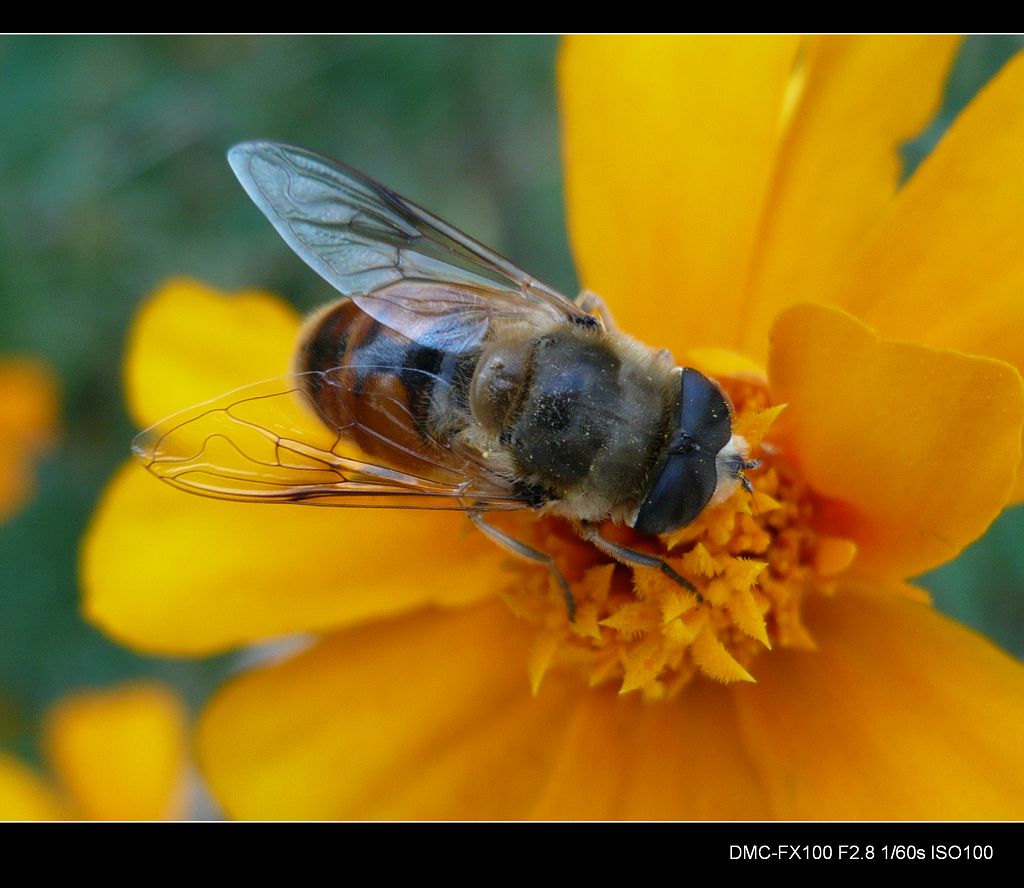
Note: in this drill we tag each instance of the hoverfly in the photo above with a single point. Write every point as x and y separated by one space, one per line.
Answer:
447 378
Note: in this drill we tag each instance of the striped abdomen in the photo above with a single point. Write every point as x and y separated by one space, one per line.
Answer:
396 399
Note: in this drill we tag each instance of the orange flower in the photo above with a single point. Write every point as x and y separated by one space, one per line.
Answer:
28 423
716 187
117 754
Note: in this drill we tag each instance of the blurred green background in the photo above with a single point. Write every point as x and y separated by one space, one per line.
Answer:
114 178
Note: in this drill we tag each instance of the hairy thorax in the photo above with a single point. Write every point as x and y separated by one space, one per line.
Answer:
581 415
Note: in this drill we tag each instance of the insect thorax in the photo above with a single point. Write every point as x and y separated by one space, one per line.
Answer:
583 414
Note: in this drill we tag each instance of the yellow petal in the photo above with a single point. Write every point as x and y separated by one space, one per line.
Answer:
900 714
723 362
944 266
839 164
191 343
422 717
26 796
1017 496
178 574
432 717
120 753
622 759
669 143
918 448
29 404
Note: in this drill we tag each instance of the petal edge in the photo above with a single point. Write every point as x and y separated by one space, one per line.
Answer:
916 448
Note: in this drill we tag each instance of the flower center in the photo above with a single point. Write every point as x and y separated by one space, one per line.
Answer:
754 558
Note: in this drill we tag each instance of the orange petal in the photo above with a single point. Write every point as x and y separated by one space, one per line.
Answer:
945 266
121 753
918 447
178 574
26 796
669 144
1017 496
721 362
899 714
623 759
427 716
29 405
839 164
191 343
946 258
432 717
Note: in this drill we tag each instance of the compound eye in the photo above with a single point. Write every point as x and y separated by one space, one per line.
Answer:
686 480
704 415
684 487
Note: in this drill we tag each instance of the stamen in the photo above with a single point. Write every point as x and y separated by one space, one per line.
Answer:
751 560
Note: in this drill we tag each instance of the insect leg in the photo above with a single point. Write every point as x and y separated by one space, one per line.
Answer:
746 466
623 554
509 544
590 302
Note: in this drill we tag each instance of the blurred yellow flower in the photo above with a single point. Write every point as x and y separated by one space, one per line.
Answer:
115 754
717 189
29 403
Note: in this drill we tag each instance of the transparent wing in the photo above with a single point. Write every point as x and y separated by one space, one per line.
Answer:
268 443
386 253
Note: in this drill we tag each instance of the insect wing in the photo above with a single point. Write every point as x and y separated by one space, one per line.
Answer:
388 254
268 443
